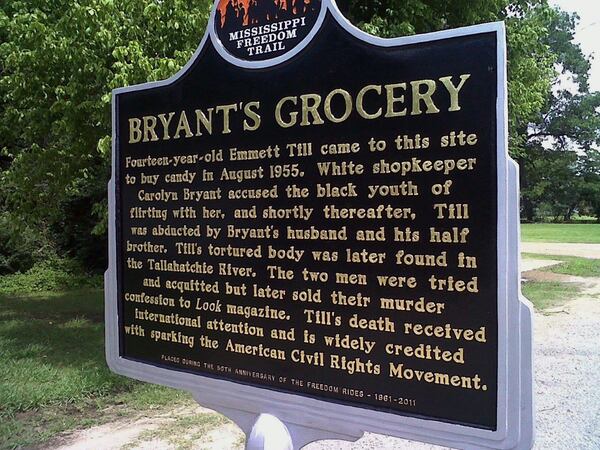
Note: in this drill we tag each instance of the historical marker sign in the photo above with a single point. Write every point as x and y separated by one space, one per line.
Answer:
310 219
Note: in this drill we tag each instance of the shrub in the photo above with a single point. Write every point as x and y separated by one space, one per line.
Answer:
51 274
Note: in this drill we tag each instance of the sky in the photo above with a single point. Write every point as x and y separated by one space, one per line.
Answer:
587 32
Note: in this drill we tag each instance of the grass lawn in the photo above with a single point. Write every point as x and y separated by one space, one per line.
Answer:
53 375
549 294
572 265
558 232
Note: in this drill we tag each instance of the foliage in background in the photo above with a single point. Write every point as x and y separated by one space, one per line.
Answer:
51 274
20 244
59 61
560 167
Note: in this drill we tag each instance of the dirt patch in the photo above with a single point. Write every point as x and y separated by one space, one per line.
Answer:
227 437
187 427
114 434
540 275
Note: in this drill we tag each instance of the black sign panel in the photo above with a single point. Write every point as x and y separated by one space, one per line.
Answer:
325 226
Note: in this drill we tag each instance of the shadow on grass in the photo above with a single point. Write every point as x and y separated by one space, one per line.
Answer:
53 351
53 373
60 306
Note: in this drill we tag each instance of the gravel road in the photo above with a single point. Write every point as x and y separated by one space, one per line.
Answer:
581 250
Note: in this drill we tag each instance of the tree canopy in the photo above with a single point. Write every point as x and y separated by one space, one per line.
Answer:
59 61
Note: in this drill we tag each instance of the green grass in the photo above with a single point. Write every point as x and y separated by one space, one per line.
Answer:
549 294
53 375
53 274
571 265
551 232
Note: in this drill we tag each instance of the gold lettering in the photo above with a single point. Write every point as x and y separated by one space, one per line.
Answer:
310 105
226 109
149 125
454 90
252 115
135 132
425 97
360 102
347 104
293 117
206 122
392 100
166 121
183 125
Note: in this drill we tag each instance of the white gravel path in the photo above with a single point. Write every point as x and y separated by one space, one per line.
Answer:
581 250
567 375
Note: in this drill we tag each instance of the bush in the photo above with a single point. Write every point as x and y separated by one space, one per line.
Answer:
53 274
20 244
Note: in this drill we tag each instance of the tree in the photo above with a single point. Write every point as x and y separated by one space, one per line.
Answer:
392 18
556 142
558 152
589 171
59 61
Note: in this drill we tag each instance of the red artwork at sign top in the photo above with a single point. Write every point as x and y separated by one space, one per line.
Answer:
238 13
